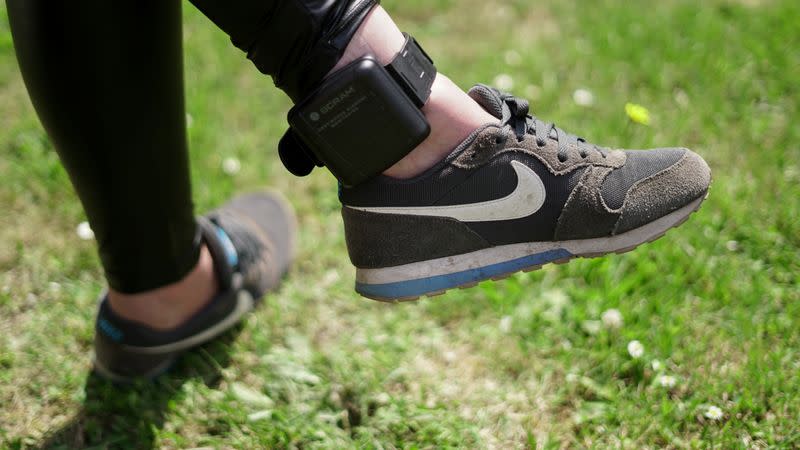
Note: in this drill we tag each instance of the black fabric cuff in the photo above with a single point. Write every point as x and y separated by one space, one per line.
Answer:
297 42
299 79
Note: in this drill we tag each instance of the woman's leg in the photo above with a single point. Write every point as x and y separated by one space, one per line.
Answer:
106 79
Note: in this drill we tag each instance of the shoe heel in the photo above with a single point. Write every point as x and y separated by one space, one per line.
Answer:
114 362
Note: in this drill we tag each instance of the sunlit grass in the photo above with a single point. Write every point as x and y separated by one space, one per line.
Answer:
539 360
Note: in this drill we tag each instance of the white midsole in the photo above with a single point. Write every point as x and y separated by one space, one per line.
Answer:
503 253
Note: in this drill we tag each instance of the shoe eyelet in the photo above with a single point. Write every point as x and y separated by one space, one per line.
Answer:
584 155
562 159
540 142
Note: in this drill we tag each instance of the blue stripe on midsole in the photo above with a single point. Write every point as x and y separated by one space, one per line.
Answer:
421 286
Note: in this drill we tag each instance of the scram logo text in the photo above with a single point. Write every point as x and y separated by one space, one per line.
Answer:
331 105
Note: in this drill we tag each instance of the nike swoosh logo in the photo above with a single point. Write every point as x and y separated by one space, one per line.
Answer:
527 198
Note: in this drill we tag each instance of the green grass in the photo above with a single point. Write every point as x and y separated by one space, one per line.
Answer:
522 363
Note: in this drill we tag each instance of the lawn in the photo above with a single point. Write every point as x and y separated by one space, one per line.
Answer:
541 360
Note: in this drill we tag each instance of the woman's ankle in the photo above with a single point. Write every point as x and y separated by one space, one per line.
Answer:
170 306
452 114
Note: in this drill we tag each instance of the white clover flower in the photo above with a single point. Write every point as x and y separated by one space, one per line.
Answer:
591 327
612 319
583 97
505 324
572 377
635 349
383 398
667 381
85 231
504 82
713 413
231 166
533 92
260 415
54 287
656 365
250 396
681 98
513 58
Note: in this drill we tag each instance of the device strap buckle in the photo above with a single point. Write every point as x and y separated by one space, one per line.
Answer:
414 71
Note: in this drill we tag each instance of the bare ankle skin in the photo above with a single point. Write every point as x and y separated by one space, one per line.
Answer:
170 306
453 115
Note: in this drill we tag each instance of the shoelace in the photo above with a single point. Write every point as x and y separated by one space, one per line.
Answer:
516 116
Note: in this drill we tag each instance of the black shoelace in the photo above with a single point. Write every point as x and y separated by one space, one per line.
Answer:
516 116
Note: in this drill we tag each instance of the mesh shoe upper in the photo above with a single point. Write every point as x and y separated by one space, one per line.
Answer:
591 191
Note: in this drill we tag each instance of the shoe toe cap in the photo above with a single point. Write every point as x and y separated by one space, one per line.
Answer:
666 191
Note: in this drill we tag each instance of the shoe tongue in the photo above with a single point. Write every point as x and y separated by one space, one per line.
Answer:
489 98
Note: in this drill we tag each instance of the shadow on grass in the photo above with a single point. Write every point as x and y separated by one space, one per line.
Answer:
127 416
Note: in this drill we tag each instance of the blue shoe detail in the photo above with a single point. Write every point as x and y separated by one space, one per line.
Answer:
110 330
422 286
230 250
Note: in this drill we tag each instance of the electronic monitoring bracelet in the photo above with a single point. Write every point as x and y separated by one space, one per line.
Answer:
362 119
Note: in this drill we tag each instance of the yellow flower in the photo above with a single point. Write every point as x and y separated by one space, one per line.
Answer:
637 113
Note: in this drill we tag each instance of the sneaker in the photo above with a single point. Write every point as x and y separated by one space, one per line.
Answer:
513 196
251 240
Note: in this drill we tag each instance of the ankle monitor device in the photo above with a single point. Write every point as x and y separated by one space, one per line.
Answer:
362 119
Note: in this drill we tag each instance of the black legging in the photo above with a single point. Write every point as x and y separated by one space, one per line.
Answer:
106 78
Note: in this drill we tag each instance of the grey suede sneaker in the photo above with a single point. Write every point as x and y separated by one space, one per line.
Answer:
251 240
513 196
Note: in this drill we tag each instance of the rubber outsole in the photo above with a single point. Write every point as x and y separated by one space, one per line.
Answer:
404 283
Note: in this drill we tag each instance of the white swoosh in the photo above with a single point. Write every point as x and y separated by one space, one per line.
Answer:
527 198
